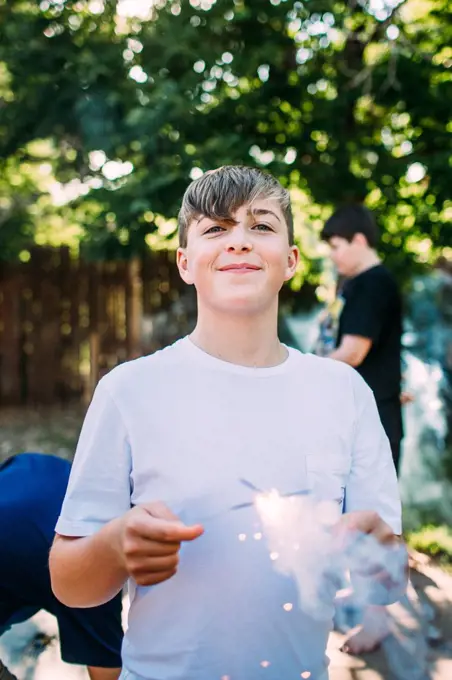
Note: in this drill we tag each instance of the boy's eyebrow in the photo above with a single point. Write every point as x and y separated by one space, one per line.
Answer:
252 211
263 211
225 220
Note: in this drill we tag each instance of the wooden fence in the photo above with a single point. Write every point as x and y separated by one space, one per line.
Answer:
64 322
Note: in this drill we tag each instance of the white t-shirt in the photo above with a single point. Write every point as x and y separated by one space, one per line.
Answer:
201 434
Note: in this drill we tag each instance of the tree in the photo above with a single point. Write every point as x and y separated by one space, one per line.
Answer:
344 102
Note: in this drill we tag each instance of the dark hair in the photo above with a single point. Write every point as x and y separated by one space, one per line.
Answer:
443 264
218 194
350 220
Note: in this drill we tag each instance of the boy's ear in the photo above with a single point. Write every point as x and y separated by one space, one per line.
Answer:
360 239
292 262
182 265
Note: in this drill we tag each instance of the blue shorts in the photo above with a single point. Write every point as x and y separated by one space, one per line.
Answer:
32 488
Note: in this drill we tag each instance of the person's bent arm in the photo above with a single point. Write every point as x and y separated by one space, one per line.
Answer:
86 566
352 350
101 540
143 544
88 571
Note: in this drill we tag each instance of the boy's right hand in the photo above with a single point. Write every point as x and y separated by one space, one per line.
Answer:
150 540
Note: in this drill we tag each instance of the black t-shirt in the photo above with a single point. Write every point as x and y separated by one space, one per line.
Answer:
373 309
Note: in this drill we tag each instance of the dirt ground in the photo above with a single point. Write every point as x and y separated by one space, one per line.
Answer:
422 627
51 430
32 648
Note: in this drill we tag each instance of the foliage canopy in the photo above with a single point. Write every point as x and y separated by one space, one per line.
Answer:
343 101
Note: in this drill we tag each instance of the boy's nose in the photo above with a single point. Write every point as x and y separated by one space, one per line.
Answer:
243 248
239 241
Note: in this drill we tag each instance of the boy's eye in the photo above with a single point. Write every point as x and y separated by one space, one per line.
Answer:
262 227
214 229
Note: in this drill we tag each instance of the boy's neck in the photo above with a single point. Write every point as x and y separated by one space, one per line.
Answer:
370 259
244 340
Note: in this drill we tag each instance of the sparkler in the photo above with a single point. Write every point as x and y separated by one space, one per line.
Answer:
297 533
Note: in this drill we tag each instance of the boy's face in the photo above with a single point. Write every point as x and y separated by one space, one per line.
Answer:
239 265
347 255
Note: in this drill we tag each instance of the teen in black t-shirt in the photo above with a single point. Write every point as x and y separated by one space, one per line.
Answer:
370 324
372 309
369 339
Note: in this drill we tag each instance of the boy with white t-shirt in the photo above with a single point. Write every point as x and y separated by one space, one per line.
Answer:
175 447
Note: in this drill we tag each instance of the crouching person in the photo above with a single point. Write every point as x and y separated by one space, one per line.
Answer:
32 488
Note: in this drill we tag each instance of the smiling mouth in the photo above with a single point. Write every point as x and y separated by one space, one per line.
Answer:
240 268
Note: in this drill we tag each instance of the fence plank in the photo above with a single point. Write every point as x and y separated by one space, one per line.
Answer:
133 308
10 346
65 321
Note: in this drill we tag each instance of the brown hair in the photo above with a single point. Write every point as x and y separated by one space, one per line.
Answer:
350 220
219 193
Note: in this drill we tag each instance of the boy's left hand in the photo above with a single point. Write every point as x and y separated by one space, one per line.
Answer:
386 565
366 522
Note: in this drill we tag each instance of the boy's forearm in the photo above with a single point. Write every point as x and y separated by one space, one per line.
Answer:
346 356
352 350
88 571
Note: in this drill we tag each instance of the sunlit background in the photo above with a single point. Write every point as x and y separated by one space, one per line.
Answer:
109 109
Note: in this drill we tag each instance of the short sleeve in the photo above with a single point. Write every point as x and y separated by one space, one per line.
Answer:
372 483
365 310
99 487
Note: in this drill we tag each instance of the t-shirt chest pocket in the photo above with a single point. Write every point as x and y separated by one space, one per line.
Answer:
327 476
